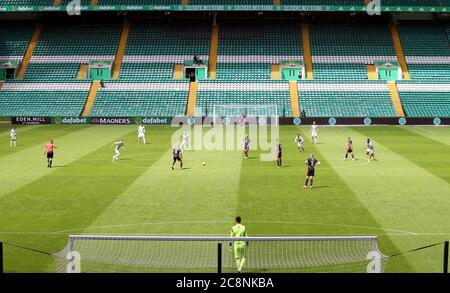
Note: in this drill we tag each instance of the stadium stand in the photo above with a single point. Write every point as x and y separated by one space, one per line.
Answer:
424 40
42 103
340 55
351 44
426 104
336 71
50 86
146 85
447 30
430 71
14 40
52 72
427 52
425 100
250 42
77 43
346 99
245 55
145 72
42 99
167 43
141 99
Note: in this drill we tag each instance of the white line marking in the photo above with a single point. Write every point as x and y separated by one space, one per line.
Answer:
221 222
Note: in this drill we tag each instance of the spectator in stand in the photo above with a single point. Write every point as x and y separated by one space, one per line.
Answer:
197 60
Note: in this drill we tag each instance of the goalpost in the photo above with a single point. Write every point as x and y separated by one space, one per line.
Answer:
101 253
235 113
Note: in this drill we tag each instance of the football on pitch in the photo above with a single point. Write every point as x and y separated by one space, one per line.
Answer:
204 163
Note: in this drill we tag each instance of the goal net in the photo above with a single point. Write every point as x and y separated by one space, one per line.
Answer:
100 253
240 114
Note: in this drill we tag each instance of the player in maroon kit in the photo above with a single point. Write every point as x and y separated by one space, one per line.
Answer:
349 149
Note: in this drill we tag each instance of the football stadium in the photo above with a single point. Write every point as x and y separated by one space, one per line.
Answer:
179 136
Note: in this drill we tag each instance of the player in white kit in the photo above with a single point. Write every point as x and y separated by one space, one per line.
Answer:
370 150
118 145
185 144
13 136
299 142
314 132
141 134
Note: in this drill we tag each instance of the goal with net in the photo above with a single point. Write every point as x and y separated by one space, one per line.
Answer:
100 253
239 114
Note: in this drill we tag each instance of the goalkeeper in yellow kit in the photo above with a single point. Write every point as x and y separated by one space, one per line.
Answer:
239 247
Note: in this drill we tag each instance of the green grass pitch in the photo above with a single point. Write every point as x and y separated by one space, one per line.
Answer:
404 197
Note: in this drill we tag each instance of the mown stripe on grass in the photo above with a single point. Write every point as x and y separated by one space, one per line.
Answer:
30 136
282 198
439 134
6 128
195 200
429 154
30 164
67 196
398 193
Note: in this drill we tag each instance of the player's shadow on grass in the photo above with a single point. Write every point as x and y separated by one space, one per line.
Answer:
59 166
320 187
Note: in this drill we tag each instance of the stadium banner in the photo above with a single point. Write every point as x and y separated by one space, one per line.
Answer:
71 120
29 120
130 120
183 120
153 120
112 120
366 121
323 8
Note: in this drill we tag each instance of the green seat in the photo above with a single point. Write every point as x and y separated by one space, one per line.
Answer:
346 103
140 72
429 71
426 104
42 103
15 38
423 40
136 102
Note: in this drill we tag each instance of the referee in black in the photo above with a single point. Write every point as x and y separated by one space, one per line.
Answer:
311 162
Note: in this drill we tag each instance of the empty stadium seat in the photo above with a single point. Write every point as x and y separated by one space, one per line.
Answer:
143 99
426 104
41 103
14 39
424 40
